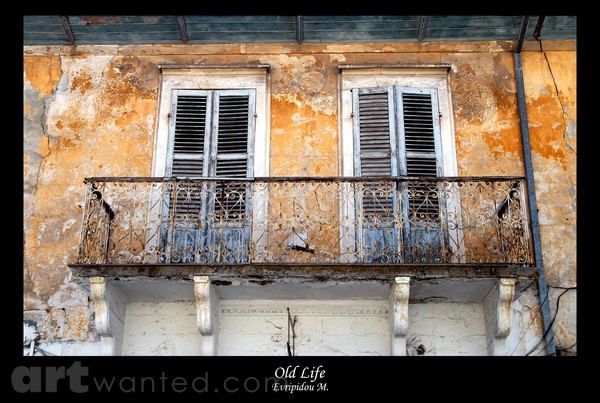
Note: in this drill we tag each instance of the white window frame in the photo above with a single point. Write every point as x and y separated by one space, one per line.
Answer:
212 77
409 76
210 154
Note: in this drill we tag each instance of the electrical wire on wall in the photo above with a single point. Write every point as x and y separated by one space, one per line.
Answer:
291 348
528 326
566 289
549 327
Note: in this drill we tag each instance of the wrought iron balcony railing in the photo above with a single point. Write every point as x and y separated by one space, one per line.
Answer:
450 221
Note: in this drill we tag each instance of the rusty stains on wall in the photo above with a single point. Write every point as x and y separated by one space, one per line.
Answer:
486 117
552 106
304 138
42 73
306 144
547 128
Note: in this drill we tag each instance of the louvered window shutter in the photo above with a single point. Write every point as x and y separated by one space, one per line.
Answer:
419 132
375 147
232 144
397 133
374 128
419 148
232 150
190 129
190 124
212 136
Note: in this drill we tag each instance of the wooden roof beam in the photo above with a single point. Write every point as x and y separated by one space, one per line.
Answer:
68 30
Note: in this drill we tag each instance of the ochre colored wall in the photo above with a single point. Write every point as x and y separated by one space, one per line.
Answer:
550 88
488 138
91 112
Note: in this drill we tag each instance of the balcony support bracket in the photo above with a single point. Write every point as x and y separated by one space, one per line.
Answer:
110 308
399 314
207 313
497 312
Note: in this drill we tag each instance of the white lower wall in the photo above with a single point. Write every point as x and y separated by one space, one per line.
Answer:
335 327
161 329
446 329
64 348
330 327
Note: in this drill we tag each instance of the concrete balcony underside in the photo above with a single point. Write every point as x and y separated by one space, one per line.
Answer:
341 291
428 283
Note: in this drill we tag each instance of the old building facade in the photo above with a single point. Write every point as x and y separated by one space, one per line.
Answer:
299 191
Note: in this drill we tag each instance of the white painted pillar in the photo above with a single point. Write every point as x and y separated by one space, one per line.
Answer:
207 313
110 309
399 314
497 313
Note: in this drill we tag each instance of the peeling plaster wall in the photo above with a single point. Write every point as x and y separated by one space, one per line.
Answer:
161 329
91 111
322 327
550 87
304 136
83 116
488 137
446 329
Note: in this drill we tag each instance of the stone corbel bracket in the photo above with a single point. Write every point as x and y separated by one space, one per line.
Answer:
110 311
506 293
399 314
98 290
497 307
207 308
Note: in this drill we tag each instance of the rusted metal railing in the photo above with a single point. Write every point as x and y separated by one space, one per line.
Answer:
450 221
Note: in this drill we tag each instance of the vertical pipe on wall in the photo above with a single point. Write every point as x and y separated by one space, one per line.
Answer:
529 177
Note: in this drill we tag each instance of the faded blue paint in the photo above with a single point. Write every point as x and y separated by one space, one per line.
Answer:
90 30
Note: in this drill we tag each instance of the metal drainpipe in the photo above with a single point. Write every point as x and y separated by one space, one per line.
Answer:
529 178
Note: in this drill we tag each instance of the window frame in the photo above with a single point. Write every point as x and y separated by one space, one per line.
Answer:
233 77
408 76
213 77
417 77
210 154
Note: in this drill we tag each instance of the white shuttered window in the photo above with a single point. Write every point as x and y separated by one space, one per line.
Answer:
212 133
396 132
397 122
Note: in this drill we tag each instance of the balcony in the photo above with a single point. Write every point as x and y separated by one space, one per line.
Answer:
352 223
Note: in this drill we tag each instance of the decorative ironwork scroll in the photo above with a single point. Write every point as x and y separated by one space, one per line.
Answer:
306 220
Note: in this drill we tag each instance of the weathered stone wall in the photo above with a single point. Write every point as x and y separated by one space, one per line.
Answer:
91 111
321 327
550 88
446 329
161 329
